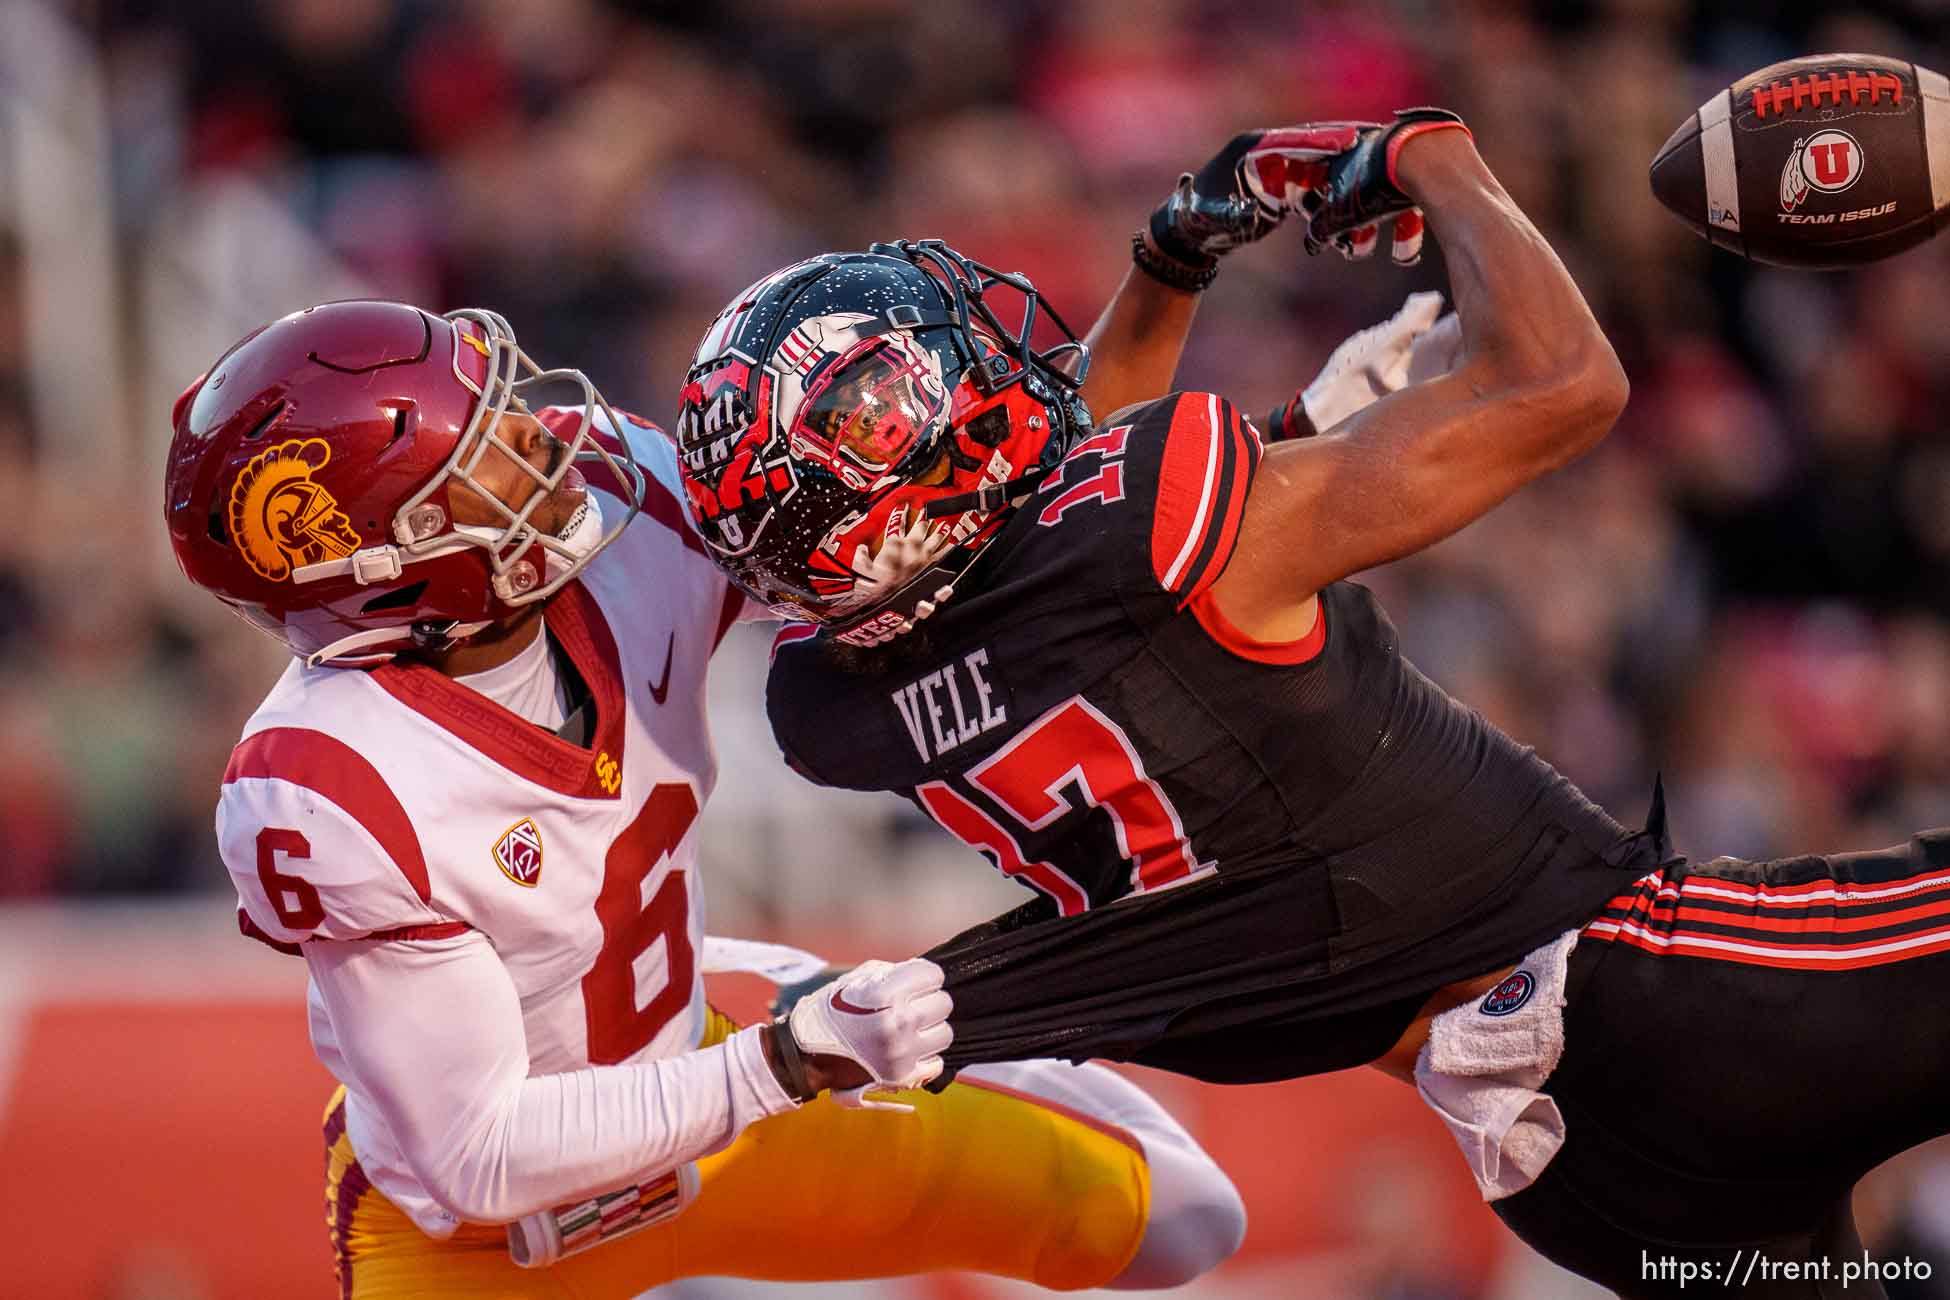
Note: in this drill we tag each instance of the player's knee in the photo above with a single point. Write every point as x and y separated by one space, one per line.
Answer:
1196 1245
1197 1222
1090 1241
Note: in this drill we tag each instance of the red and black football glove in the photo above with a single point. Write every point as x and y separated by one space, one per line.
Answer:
1342 174
1359 190
1241 195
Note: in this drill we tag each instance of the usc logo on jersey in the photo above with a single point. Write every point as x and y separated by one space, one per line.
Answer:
519 853
280 518
609 773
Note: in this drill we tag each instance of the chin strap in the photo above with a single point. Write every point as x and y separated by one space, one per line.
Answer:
345 652
347 647
988 499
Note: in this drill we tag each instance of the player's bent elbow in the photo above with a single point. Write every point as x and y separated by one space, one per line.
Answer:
474 1187
1578 405
474 1200
1605 387
1598 398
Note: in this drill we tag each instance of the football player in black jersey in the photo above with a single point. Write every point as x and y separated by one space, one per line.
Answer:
1124 660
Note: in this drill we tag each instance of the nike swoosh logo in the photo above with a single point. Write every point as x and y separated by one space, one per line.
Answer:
661 687
841 1004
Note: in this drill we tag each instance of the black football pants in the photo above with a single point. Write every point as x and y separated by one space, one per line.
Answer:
1743 1042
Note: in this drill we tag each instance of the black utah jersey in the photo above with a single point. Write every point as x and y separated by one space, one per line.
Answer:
1083 713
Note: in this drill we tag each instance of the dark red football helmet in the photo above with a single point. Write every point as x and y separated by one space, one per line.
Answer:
307 474
860 406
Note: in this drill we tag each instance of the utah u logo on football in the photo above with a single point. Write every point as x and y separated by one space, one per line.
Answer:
1829 161
519 853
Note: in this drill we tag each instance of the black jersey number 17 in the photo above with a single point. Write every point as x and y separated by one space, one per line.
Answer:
1072 742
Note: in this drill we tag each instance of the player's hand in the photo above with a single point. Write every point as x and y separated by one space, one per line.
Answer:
787 996
887 1020
1378 361
1359 189
1244 192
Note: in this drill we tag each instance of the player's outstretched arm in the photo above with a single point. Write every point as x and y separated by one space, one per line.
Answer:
1135 345
1537 385
432 1033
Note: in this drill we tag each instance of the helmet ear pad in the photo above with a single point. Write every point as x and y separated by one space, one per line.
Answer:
990 428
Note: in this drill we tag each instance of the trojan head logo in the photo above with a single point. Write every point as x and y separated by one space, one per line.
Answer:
519 853
281 520
1829 161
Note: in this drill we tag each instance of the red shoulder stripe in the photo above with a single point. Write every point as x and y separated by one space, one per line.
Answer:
438 930
334 771
1242 459
1187 479
1203 479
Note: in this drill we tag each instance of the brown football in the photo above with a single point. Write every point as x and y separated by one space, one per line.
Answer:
1819 163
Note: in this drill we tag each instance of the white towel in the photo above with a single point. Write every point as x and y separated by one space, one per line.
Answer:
1484 1063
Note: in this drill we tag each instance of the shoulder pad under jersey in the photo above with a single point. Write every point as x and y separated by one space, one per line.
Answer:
318 846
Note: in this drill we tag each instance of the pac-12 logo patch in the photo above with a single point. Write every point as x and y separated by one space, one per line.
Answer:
1829 161
519 853
1511 994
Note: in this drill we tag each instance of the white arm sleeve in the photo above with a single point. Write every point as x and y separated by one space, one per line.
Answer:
432 1033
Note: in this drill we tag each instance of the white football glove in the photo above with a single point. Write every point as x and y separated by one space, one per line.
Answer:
1437 352
889 1018
1380 360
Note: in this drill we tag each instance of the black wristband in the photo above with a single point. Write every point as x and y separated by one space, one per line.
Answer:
1164 229
1169 270
789 1063
1288 421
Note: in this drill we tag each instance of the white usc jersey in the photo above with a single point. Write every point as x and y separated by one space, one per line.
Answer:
398 803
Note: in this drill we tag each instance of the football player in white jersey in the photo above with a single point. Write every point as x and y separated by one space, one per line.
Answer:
469 806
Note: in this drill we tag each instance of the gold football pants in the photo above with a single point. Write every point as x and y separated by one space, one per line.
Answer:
979 1178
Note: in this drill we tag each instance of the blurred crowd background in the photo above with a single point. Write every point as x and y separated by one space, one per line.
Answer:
1747 588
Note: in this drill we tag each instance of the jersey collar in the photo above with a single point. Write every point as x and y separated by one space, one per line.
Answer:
526 750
